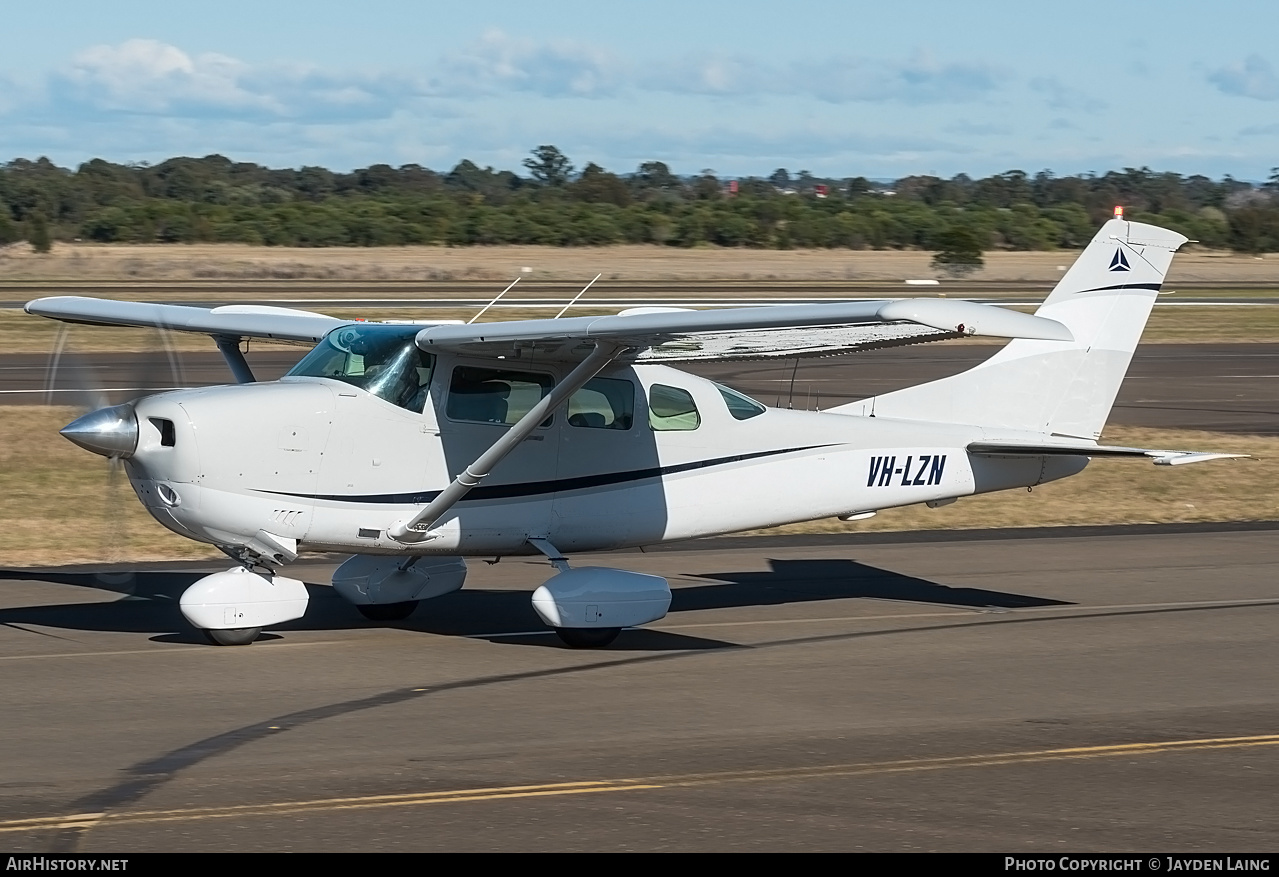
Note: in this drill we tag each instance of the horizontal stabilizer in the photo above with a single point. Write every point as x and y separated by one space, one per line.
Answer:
1082 449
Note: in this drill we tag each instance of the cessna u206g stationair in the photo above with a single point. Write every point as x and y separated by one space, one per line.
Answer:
413 446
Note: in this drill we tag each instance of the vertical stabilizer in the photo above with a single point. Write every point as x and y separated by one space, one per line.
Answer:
1057 387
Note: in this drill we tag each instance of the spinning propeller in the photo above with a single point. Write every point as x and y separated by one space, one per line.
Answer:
106 424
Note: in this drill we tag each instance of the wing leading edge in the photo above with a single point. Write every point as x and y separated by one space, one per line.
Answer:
236 321
652 335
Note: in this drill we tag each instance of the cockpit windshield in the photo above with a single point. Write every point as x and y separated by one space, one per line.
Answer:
382 359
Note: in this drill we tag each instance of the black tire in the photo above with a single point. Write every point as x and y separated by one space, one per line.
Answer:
238 636
587 637
387 611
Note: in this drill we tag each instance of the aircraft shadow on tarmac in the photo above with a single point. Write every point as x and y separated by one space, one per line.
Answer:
149 604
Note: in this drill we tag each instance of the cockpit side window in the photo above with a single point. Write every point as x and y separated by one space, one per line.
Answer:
487 395
671 409
380 359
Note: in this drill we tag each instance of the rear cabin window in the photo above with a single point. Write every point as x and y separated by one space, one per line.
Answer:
604 403
740 406
671 409
485 395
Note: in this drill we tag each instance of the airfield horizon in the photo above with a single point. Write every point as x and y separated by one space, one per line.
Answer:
215 264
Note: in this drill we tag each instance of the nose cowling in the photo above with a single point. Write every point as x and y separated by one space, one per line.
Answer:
111 432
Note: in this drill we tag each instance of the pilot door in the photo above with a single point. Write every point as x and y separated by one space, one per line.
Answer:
475 403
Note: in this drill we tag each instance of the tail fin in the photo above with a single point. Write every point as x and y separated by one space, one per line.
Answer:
1057 387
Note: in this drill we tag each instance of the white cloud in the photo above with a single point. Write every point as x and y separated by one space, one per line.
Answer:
918 79
148 77
1253 78
716 74
498 96
562 68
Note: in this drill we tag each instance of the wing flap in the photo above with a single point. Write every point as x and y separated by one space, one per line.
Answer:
790 343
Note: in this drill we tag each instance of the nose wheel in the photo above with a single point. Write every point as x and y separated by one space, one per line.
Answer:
237 636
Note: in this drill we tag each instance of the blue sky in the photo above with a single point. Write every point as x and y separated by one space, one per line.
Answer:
840 89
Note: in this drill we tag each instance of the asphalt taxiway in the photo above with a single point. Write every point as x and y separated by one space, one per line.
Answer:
1099 689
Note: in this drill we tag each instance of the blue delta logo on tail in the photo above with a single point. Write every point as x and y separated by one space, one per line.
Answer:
1119 262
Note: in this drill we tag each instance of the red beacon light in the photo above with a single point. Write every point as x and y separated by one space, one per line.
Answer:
1119 212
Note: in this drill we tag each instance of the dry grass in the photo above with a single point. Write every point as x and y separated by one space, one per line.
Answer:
235 263
57 504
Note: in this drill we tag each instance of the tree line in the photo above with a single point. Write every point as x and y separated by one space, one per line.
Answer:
214 199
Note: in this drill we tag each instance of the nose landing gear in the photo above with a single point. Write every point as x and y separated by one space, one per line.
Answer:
232 607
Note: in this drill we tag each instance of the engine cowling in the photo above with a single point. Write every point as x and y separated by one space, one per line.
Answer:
598 597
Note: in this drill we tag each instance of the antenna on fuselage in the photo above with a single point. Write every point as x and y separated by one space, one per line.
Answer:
790 397
579 295
493 302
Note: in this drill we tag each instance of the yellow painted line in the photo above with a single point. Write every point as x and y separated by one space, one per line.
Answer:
506 793
1097 611
182 649
831 619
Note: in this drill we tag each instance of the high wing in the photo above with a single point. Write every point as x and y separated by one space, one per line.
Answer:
645 334
680 335
234 321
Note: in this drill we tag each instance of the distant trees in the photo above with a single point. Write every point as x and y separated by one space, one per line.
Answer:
9 232
549 166
38 233
598 186
959 252
216 199
655 176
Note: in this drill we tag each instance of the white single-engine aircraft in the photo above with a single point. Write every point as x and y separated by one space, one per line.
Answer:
413 446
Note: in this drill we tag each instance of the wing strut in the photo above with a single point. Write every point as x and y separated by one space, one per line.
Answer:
229 345
414 529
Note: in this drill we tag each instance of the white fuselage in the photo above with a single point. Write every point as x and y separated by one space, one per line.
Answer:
333 467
